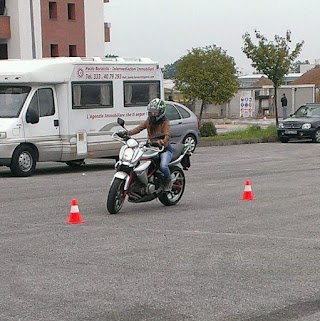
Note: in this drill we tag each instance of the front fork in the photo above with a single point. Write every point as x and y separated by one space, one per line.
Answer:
125 177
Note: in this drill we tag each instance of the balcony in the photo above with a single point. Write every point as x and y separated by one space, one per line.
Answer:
5 31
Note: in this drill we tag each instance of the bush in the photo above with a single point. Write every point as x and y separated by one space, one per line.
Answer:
254 128
208 129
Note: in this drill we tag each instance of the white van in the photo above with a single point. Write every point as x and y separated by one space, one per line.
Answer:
65 109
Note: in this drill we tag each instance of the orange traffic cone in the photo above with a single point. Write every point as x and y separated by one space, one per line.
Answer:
248 194
75 215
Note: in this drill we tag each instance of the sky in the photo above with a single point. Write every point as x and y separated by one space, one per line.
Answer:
164 30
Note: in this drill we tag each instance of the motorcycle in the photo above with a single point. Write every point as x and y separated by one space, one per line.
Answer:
138 176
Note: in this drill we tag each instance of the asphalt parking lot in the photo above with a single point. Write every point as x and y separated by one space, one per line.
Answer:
211 257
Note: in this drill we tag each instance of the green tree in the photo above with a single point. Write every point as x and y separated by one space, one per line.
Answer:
207 73
272 58
170 71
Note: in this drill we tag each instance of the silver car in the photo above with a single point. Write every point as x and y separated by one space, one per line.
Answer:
184 125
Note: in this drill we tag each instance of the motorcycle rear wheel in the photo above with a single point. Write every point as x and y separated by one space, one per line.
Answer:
173 197
116 196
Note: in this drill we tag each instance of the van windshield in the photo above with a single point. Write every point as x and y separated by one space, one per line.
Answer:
12 99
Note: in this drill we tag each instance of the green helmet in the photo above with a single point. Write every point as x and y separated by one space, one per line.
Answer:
156 109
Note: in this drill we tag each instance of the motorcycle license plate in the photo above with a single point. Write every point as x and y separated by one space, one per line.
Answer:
291 132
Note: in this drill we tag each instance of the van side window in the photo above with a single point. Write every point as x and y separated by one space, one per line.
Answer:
92 95
43 102
140 93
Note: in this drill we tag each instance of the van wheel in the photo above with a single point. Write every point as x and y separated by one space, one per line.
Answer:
23 162
75 163
191 141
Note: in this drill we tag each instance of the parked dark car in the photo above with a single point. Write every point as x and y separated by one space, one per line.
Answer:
303 124
184 124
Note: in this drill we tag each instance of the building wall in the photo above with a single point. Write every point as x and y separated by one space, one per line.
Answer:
248 80
94 31
61 31
297 96
37 29
33 40
5 27
20 43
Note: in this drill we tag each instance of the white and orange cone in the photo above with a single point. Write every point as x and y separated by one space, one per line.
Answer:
74 215
247 194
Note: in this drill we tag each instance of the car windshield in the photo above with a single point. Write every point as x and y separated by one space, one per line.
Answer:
307 111
12 99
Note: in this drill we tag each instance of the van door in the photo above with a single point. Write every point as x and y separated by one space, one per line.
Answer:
45 134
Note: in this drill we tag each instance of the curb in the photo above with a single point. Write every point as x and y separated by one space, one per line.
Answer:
237 142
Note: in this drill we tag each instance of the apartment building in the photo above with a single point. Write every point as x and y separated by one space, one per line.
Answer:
51 28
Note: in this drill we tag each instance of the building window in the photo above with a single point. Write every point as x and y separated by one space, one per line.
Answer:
53 13
72 51
54 50
3 51
2 7
71 11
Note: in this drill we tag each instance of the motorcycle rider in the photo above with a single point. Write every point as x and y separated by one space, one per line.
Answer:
157 123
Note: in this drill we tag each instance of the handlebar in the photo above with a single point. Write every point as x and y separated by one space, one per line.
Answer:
118 138
147 145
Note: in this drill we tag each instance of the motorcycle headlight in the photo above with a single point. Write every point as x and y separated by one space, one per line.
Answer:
127 155
306 126
281 125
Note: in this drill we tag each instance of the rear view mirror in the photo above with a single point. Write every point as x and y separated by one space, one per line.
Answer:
32 116
120 121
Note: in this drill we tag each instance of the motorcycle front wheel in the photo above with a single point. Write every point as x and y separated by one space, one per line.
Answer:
173 197
116 196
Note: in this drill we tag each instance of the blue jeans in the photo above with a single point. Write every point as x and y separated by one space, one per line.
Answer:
165 159
284 112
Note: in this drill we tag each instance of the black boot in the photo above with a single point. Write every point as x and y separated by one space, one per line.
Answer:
167 185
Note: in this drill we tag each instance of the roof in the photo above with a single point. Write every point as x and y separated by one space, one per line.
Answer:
36 70
60 70
258 76
168 84
263 81
310 77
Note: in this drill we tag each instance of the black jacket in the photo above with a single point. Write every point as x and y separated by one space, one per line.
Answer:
284 101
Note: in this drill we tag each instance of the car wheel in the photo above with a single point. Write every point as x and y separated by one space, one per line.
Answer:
191 141
316 138
23 161
284 140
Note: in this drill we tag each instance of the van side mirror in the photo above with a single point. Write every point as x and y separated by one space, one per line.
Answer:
32 116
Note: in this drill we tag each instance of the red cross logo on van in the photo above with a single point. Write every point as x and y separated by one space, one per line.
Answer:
80 73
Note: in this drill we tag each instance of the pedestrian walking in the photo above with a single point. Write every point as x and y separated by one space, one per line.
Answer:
284 103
